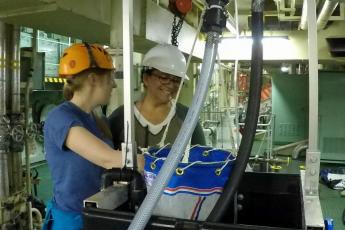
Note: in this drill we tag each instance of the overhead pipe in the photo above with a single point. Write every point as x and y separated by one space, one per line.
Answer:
231 185
303 25
324 16
214 23
326 12
4 143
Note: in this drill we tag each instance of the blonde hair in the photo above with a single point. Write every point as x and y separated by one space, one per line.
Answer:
75 83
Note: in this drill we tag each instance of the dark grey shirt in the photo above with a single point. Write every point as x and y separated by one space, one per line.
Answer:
144 138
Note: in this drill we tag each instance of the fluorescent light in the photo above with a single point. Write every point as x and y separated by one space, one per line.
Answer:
265 38
284 69
274 48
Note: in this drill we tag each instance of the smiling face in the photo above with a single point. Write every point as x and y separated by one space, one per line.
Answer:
161 86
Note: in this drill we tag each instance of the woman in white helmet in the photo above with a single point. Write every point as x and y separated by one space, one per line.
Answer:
163 71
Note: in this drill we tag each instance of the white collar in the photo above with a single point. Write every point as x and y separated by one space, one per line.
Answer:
154 129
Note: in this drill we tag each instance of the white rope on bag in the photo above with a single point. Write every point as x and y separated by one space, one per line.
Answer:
219 170
153 164
185 158
161 143
160 149
180 171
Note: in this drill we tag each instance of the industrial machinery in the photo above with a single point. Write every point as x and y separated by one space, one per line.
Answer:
18 209
250 200
24 104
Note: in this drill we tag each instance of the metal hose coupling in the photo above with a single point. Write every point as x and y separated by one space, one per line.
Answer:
215 16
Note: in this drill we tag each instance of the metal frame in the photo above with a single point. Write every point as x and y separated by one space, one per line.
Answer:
129 147
109 198
310 180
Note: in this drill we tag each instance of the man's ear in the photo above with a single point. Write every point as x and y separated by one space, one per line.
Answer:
145 79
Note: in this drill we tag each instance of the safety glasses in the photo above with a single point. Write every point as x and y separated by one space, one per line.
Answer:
166 79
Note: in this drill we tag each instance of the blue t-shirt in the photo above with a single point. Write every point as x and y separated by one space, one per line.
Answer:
74 177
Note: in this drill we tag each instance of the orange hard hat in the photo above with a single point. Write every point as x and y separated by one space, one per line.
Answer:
83 56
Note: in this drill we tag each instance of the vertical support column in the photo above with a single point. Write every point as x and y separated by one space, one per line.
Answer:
4 123
129 147
313 153
310 178
115 51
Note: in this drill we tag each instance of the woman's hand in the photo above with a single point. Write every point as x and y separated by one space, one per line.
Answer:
141 163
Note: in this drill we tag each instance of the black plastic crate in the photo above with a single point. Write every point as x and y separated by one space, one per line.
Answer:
269 202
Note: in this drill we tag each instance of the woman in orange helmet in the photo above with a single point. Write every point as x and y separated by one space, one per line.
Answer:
78 145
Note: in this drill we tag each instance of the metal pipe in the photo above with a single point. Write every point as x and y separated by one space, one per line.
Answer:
298 150
3 96
38 216
16 116
4 182
15 64
324 16
26 140
327 10
303 25
231 185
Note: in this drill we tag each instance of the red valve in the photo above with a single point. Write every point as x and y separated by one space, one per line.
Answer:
180 7
183 6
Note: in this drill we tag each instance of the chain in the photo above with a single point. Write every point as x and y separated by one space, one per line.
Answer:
176 28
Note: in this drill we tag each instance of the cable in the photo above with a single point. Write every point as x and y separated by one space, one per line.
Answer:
231 185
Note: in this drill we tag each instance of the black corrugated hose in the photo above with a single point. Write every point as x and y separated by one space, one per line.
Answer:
231 185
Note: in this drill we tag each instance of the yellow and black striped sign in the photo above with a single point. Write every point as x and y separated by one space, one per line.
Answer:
54 80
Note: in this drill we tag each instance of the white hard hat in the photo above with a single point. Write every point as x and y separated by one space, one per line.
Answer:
167 59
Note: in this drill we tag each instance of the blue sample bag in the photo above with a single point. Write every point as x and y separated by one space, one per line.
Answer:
195 186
